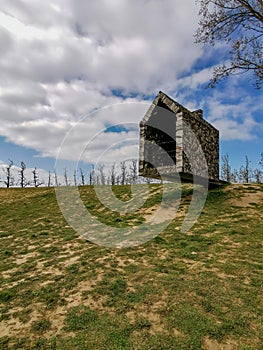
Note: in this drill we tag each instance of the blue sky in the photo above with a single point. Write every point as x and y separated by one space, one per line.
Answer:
64 62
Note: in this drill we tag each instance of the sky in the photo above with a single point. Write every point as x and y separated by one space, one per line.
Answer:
76 78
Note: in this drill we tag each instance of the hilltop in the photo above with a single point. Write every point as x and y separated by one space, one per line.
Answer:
196 290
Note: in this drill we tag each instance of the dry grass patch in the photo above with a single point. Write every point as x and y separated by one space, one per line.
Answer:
200 290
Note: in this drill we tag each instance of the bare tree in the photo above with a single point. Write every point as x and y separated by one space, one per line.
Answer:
245 171
258 175
113 175
22 174
82 177
102 178
56 179
66 177
123 173
92 175
117 180
75 178
226 168
9 179
234 176
36 181
134 170
49 179
239 23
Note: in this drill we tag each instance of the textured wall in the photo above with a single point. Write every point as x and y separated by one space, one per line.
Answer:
177 132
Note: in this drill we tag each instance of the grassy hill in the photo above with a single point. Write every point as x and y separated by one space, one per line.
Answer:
196 290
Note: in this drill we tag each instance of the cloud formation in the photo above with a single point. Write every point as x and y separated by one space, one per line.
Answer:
61 60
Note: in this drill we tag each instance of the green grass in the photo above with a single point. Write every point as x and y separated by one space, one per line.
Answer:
60 291
41 326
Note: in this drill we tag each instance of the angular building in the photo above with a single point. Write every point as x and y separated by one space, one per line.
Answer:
175 141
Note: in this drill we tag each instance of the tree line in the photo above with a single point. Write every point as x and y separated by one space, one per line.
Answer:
22 181
124 173
245 174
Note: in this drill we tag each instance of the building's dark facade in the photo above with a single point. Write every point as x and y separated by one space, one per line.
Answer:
174 140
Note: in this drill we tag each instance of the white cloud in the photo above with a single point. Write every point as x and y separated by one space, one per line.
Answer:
233 112
61 59
89 138
41 14
121 45
234 130
196 79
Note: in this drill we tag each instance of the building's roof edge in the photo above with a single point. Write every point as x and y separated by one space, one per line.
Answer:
180 107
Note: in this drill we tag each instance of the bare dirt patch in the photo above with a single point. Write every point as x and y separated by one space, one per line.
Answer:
13 326
212 344
245 197
25 258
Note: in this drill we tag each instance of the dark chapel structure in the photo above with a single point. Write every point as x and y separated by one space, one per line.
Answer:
177 142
